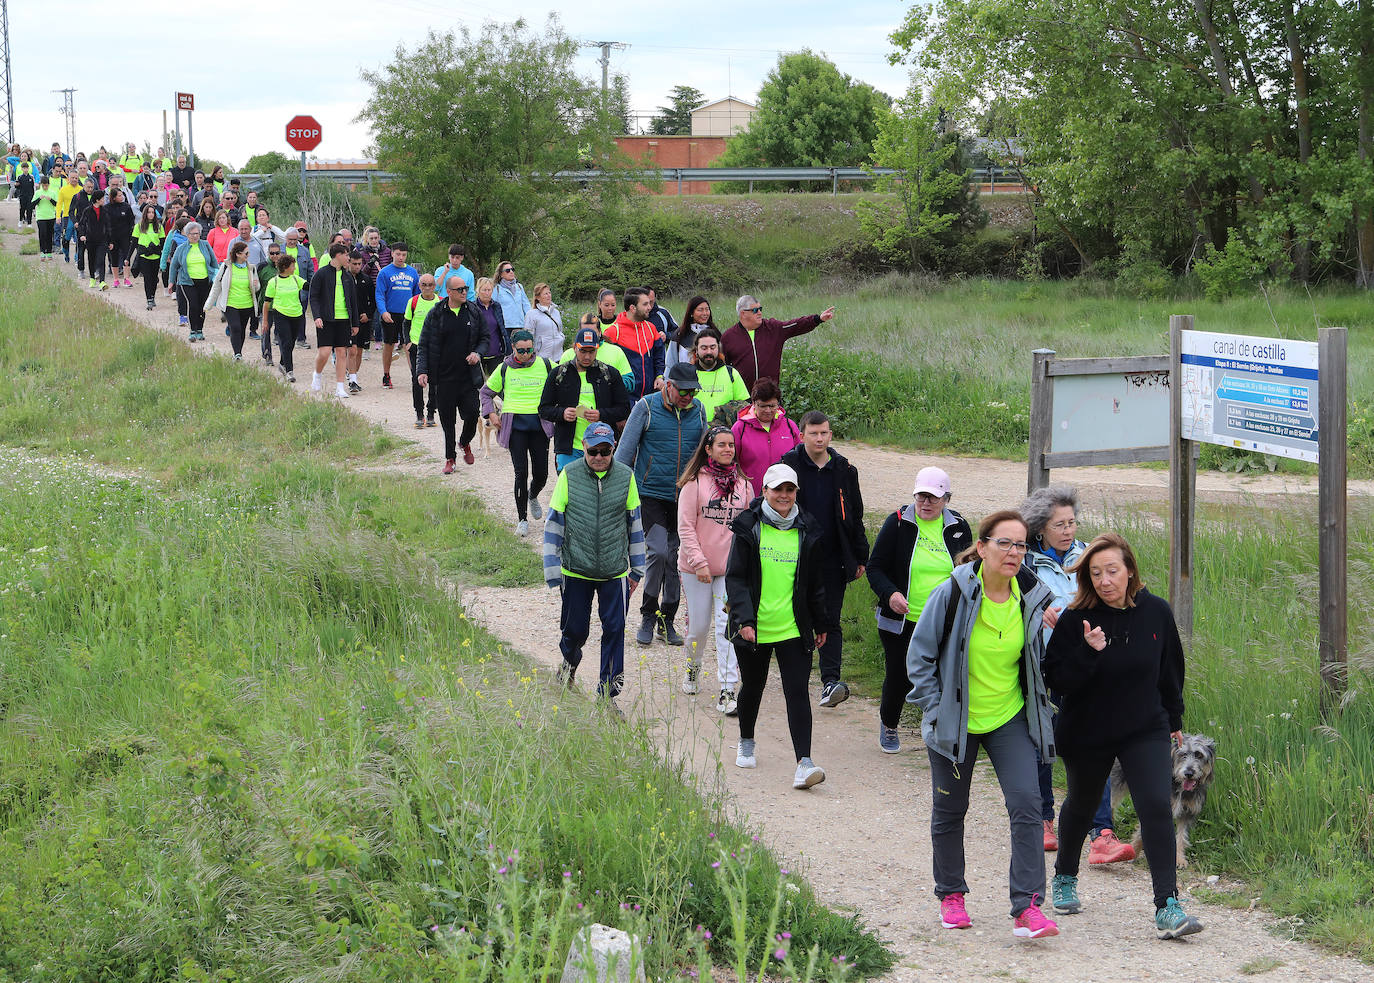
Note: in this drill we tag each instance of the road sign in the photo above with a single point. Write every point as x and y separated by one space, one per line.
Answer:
1257 394
303 133
186 101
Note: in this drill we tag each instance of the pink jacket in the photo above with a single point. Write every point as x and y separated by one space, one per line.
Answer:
757 448
703 524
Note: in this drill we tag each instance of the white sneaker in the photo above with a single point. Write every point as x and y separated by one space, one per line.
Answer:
727 704
315 382
536 511
808 774
522 528
340 391
689 680
745 758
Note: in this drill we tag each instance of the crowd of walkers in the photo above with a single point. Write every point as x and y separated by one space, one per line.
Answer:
679 473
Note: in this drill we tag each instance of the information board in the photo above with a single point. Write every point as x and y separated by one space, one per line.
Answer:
1110 411
1256 394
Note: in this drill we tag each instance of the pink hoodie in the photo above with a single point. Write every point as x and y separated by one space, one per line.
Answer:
757 448
703 524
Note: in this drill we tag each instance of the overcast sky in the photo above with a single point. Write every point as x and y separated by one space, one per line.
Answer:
250 76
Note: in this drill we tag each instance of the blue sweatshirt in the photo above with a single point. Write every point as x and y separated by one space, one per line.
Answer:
395 286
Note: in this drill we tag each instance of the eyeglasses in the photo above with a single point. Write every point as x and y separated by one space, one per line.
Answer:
524 351
770 407
459 290
1008 545
1065 525
928 498
601 450
754 310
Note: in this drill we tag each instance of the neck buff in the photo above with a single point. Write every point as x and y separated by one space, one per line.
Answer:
783 522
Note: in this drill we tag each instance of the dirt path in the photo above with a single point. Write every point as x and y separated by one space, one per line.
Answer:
863 835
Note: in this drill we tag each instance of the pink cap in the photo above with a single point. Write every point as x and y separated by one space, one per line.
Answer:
932 481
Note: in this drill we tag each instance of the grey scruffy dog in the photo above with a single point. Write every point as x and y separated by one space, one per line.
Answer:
1193 757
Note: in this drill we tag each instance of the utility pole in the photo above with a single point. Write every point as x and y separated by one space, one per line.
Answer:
605 47
69 115
7 109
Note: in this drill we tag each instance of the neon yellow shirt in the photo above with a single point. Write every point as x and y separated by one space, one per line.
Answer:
719 386
586 398
779 551
931 564
416 317
240 287
521 388
285 295
195 263
340 305
612 355
994 662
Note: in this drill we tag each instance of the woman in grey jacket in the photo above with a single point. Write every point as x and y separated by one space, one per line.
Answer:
974 663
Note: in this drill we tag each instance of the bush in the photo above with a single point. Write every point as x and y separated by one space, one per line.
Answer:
1229 271
676 254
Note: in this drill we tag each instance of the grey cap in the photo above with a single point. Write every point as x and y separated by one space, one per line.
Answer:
684 376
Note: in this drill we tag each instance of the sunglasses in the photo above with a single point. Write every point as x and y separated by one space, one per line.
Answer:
601 450
754 310
509 269
687 392
523 351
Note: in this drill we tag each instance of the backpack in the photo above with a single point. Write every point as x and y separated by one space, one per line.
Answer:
548 369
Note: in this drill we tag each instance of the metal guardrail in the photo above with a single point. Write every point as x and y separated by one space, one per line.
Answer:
991 176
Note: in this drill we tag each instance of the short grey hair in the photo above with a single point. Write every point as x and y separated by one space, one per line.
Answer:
745 302
1041 503
189 226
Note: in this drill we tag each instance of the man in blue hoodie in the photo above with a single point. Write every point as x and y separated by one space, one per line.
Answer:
396 284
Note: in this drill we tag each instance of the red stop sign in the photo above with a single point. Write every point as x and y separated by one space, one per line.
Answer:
303 132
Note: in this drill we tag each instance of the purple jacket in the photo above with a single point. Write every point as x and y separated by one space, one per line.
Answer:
757 448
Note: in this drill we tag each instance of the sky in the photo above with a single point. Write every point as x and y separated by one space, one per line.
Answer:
126 67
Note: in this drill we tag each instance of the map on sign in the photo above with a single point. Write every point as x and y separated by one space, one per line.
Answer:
1257 394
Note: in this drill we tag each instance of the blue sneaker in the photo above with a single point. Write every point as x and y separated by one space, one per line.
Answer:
1064 895
1172 922
888 740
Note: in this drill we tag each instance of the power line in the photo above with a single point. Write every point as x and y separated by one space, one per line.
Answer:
8 108
69 112
605 59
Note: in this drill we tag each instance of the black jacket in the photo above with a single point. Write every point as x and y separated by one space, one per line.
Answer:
184 177
95 224
447 338
563 388
365 288
322 295
80 202
744 578
889 565
122 221
847 508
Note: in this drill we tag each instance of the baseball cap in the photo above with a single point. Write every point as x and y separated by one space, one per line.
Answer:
587 338
300 226
932 481
778 474
598 433
684 376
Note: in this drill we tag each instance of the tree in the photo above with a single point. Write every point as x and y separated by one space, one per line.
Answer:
676 118
475 128
1167 128
620 104
268 163
810 115
930 195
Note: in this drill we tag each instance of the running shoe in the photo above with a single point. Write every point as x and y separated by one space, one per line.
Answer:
104 285
281 369
1032 923
238 356
128 282
888 740
1051 841
1064 895
467 454
419 423
522 528
727 704
429 421
353 387
1107 849
151 305
565 673
115 281
1172 922
92 283
808 774
386 382
953 914
254 335
449 465
667 632
182 320
744 758
536 510
689 680
833 694
290 377
303 344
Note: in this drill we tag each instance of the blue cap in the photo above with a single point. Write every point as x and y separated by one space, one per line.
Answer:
598 433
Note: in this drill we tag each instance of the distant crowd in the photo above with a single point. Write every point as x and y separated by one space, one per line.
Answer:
680 474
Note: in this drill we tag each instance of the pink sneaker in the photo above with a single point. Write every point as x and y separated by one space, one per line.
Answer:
953 913
1032 924
128 282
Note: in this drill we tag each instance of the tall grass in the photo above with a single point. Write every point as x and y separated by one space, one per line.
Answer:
249 734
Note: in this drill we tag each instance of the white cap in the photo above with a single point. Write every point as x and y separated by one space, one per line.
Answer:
779 474
932 481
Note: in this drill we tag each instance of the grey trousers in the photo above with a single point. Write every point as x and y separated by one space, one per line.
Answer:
661 591
1013 758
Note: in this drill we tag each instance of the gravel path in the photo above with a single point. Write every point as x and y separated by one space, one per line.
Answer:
863 835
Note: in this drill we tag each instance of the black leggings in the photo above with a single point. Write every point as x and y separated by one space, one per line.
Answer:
896 682
1147 764
26 208
45 236
119 253
147 268
96 250
529 455
238 318
794 666
193 296
417 391
288 330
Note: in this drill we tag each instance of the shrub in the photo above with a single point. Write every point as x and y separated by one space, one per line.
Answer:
1227 272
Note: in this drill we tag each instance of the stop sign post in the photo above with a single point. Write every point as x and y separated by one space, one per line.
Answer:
303 133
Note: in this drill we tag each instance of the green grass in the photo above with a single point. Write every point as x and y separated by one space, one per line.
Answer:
249 734
1290 810
918 364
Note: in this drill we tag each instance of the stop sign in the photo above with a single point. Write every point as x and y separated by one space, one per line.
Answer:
303 133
